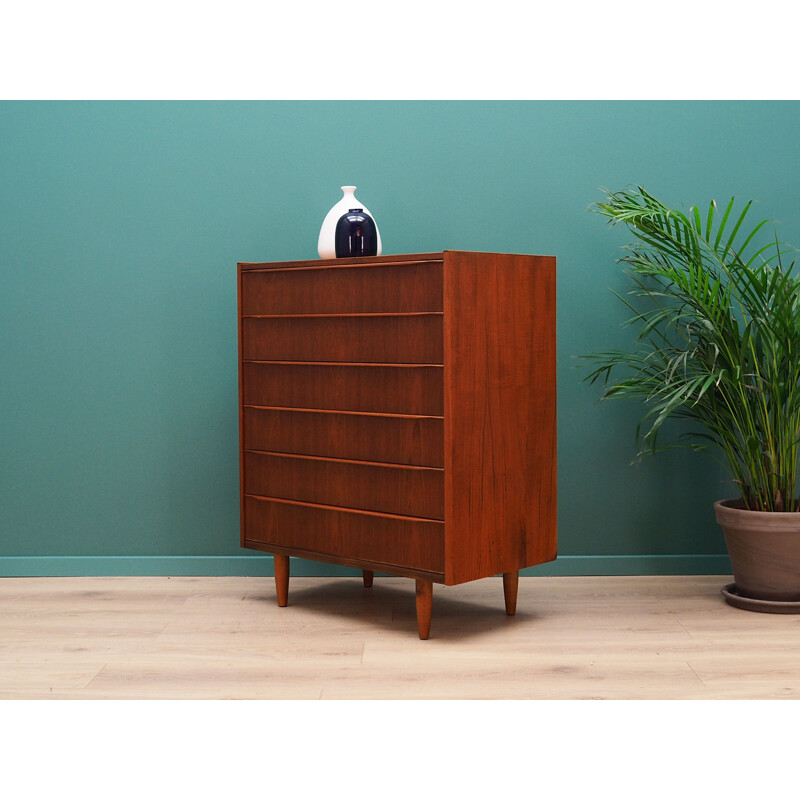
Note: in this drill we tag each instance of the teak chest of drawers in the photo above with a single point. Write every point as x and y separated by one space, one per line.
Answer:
398 414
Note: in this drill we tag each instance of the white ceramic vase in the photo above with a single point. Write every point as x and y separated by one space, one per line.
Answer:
326 246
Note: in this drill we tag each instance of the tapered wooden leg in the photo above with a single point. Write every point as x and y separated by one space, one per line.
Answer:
368 576
424 607
510 586
282 578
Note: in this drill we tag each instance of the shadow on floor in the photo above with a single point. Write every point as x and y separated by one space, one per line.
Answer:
391 607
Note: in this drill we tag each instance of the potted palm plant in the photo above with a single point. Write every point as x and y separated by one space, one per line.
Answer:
716 308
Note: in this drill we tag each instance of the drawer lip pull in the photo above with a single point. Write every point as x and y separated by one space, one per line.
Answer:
337 411
400 365
347 314
388 464
346 509
246 267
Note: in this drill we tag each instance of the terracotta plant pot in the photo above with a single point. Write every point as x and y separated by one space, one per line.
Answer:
764 548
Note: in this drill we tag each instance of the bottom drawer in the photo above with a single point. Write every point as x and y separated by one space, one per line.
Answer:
383 538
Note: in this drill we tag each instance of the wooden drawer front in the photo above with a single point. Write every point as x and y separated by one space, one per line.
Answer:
412 491
366 437
336 290
400 541
395 338
393 390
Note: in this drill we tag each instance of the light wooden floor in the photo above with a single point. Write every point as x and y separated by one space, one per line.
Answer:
572 638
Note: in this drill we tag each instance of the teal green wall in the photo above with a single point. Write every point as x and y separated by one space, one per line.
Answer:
122 223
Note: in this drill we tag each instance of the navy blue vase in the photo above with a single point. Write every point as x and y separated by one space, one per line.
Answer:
356 235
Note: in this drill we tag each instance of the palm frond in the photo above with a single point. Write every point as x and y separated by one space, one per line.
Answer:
717 314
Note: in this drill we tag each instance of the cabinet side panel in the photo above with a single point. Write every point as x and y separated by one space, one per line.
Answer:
500 413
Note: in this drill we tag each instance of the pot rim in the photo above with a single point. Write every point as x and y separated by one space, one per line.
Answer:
732 517
735 505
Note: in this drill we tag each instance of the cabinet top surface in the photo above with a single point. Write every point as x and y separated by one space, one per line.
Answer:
385 259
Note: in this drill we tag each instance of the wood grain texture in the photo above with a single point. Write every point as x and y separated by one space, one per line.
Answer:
373 338
395 489
500 413
362 436
401 389
405 541
575 638
316 289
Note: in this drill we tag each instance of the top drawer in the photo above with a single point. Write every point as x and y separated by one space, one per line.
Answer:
399 287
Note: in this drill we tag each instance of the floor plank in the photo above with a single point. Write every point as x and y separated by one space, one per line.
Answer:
616 637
